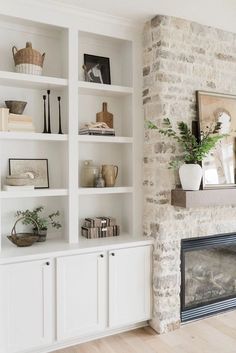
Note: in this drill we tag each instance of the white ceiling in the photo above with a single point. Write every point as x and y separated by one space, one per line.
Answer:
217 13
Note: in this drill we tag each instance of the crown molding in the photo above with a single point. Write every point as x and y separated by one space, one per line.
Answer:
62 6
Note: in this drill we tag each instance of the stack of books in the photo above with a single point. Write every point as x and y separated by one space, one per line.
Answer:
100 227
97 131
15 122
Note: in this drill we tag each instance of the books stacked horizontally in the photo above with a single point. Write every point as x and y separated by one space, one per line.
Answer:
96 129
15 122
100 227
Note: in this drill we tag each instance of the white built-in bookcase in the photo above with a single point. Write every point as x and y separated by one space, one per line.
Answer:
65 46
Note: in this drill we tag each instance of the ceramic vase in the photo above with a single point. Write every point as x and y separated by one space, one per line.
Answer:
190 176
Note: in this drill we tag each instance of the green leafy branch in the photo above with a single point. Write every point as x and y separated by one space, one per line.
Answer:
194 150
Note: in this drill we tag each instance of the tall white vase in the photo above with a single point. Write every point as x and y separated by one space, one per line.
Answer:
190 176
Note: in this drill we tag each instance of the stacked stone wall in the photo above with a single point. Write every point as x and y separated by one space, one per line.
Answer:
180 57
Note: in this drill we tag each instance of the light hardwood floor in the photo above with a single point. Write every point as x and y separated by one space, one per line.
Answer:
212 335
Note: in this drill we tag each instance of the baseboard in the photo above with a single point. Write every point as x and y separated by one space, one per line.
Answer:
109 332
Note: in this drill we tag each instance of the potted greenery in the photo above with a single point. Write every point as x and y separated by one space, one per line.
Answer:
194 150
42 222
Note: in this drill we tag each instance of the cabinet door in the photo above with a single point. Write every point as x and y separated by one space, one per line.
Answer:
81 294
129 285
26 303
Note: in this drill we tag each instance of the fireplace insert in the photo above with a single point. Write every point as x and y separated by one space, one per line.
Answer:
208 276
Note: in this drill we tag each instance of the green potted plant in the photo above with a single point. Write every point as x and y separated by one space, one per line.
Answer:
194 150
42 222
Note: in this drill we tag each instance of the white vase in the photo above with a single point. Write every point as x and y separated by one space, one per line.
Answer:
190 176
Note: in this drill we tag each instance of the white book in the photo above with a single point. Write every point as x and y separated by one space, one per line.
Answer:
4 114
17 188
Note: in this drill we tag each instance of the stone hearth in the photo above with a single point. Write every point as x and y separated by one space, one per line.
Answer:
180 57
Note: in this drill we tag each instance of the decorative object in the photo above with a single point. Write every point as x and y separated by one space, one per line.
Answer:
43 223
97 69
219 165
24 179
110 173
96 129
24 239
104 116
90 173
100 182
44 115
16 107
49 112
28 60
194 150
38 167
100 227
59 110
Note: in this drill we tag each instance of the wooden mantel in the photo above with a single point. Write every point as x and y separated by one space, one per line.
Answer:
203 198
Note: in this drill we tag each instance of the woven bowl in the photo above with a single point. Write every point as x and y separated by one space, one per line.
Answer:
23 239
16 107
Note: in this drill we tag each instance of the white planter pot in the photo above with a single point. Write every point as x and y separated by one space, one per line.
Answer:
190 176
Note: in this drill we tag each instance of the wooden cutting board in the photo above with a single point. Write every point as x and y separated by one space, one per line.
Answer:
104 116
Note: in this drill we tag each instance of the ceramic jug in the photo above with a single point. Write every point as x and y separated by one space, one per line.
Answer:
109 173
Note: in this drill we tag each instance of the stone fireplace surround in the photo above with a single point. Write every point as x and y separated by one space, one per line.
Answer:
180 57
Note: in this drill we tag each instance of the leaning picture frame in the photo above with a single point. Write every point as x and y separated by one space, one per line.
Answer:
97 69
38 167
219 166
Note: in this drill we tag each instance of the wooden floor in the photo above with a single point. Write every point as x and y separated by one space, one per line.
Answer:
213 335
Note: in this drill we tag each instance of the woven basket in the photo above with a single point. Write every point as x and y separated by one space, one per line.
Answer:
23 239
28 60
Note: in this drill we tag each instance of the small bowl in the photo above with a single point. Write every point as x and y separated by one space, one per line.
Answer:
17 180
16 107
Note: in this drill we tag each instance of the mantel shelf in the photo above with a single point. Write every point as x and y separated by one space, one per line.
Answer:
203 198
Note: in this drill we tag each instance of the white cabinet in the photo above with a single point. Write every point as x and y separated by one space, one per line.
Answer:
92 288
129 286
26 305
81 288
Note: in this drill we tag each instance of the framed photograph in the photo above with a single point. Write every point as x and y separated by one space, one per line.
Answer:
38 167
219 167
97 69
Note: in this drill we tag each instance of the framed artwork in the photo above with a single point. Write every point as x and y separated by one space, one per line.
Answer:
38 167
219 167
97 69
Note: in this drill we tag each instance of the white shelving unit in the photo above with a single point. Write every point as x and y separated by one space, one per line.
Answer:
65 44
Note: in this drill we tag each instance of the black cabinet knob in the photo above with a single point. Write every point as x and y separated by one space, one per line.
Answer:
48 263
101 255
112 254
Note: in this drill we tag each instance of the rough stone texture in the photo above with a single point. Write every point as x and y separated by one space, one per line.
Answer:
180 57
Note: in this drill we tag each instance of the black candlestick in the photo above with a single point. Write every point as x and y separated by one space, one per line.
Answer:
44 115
59 107
49 115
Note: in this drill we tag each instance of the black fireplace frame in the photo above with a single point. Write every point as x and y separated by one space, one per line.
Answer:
211 307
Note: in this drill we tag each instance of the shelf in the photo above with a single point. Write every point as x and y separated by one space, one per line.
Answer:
105 191
104 139
33 136
59 247
33 193
203 198
98 89
31 81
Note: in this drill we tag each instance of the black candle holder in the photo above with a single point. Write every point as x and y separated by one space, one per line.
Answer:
49 114
44 115
59 109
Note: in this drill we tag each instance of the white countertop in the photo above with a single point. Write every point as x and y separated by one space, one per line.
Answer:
59 247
